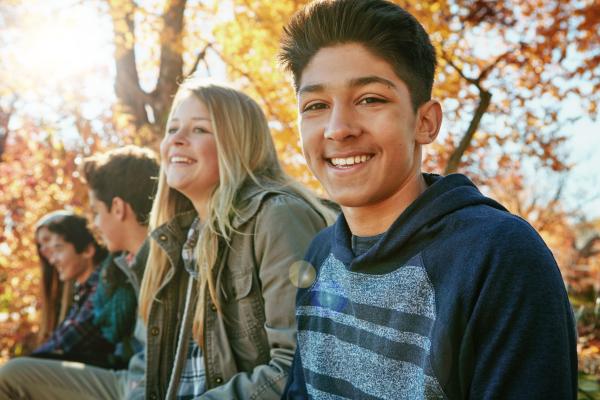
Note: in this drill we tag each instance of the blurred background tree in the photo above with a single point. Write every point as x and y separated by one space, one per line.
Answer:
76 77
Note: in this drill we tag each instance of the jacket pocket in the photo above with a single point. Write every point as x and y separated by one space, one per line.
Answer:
244 311
242 285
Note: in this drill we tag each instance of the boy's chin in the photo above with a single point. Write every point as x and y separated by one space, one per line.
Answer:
348 198
113 249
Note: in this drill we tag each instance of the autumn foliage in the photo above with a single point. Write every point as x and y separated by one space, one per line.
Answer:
506 68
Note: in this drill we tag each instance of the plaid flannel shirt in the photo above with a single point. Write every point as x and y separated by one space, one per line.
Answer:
193 378
77 333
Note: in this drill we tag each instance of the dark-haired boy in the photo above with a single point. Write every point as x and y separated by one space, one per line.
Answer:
122 183
424 288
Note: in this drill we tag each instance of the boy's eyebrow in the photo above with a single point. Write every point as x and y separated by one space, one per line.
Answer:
366 80
311 89
353 83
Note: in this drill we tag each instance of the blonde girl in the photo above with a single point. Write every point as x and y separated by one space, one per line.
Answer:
228 224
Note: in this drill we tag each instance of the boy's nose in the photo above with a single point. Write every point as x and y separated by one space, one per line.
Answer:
341 124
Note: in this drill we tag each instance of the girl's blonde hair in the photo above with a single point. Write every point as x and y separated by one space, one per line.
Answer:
245 151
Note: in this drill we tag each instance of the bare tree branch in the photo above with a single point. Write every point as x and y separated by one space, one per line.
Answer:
588 250
266 103
485 72
465 142
200 57
484 103
459 70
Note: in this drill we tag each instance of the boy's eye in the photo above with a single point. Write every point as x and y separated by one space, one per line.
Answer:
172 130
314 106
371 100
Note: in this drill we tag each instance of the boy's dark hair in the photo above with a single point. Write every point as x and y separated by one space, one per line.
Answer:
74 229
384 28
129 172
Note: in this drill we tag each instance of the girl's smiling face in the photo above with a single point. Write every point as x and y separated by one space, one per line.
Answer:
189 150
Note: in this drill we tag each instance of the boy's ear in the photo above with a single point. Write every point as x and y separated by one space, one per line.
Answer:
429 121
118 208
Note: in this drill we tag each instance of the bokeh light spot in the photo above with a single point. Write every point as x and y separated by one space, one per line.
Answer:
302 274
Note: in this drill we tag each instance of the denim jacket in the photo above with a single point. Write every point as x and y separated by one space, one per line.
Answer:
248 347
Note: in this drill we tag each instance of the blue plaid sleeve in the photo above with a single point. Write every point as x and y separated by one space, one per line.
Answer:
78 327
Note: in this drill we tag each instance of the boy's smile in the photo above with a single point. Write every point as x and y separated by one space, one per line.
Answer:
360 135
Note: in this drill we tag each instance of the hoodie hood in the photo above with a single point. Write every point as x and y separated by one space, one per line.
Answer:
411 231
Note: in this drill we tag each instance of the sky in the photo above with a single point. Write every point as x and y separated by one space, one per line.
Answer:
585 153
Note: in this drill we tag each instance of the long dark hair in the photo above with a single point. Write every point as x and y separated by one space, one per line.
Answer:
55 295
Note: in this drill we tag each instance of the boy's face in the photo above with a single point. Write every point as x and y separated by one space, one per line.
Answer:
108 223
357 125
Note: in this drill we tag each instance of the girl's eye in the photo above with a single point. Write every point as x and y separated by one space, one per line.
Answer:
171 130
314 106
199 129
371 100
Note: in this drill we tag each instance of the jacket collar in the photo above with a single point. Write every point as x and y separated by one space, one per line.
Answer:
171 235
134 270
250 198
175 228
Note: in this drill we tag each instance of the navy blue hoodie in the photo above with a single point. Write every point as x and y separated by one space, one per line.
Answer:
459 299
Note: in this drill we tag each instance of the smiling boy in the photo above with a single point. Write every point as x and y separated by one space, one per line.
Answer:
424 287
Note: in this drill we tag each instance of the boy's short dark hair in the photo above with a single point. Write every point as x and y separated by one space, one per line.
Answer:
384 28
74 229
129 172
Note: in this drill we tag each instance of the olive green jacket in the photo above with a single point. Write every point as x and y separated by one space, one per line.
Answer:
248 352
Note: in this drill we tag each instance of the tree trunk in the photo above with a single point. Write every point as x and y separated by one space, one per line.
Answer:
171 60
135 101
465 142
127 86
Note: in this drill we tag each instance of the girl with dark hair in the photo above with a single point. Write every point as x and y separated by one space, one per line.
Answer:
55 294
76 256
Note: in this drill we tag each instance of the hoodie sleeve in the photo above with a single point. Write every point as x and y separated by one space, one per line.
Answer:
295 388
318 250
520 340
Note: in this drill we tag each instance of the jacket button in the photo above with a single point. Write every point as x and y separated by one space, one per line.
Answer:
219 380
162 238
153 396
213 307
154 331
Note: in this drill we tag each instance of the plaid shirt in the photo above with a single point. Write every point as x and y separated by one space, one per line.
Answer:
193 378
77 332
